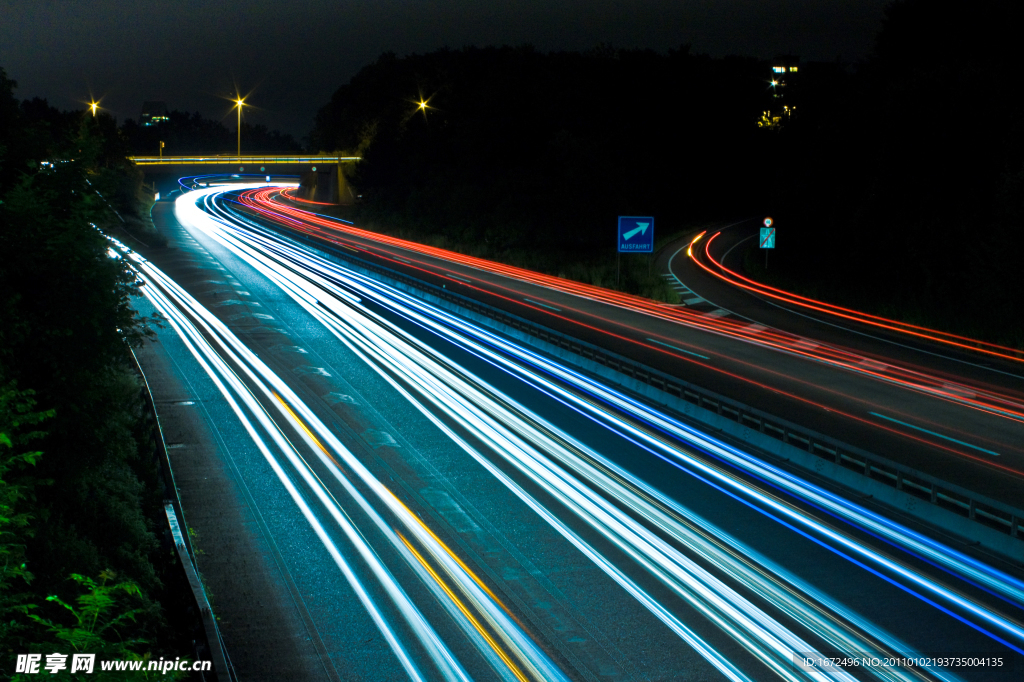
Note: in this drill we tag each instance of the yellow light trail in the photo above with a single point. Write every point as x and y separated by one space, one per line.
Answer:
689 250
452 554
506 659
302 425
466 612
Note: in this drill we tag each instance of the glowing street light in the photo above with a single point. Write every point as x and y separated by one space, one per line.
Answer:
94 106
422 105
240 102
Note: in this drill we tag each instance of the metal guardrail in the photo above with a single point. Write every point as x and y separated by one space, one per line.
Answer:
172 509
214 160
973 506
924 486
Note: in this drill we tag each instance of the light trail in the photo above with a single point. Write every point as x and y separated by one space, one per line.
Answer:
265 202
917 331
159 291
501 441
961 563
973 396
216 362
465 611
970 396
663 422
627 513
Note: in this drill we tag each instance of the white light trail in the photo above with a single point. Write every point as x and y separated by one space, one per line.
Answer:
235 392
335 297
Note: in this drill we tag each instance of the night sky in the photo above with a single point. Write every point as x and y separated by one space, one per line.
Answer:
292 55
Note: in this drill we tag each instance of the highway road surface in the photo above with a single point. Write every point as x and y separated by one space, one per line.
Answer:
441 502
955 420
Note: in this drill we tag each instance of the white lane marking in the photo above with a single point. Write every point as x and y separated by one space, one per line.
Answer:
959 390
305 370
719 312
681 350
872 365
755 328
694 300
235 301
939 435
282 348
542 305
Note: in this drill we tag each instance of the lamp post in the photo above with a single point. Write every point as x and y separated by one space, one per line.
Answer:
94 106
161 149
240 102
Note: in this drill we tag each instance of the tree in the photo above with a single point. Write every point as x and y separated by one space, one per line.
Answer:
17 492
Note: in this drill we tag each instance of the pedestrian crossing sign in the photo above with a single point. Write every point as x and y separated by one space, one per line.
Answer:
767 237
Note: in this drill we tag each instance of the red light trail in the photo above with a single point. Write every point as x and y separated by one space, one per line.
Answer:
266 202
963 342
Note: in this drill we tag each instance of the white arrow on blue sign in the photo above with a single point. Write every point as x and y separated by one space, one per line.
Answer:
636 234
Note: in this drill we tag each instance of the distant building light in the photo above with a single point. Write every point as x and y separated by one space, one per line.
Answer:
779 69
153 112
792 69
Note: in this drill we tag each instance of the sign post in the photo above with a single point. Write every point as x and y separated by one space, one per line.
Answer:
767 238
636 235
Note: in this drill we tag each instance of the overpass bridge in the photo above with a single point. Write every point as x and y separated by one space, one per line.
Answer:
321 176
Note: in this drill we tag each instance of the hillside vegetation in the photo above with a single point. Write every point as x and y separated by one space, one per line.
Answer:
897 186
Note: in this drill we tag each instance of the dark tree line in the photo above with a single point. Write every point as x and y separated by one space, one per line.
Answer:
528 157
80 493
520 148
897 186
193 134
910 192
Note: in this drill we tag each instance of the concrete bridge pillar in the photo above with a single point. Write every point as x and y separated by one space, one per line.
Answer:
326 184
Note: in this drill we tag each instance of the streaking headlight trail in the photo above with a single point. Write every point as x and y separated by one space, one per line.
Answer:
770 612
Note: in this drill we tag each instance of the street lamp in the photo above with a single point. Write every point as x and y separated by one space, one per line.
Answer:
94 106
423 106
240 102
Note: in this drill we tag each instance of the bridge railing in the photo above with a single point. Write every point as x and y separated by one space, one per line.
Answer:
213 160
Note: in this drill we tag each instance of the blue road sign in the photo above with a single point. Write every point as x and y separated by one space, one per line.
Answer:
767 238
636 234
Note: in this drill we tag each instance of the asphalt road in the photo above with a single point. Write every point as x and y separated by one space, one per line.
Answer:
887 399
962 431
444 504
729 248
